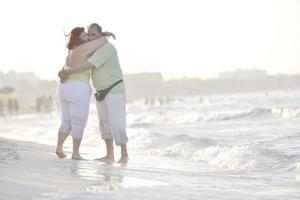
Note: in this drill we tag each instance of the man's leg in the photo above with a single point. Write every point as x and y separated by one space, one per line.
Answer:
105 130
117 114
109 158
124 154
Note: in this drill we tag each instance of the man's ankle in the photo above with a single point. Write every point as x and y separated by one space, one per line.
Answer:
109 156
124 154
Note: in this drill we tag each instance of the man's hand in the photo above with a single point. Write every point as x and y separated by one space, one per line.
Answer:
63 76
109 34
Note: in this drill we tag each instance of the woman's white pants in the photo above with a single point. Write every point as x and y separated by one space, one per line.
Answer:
74 100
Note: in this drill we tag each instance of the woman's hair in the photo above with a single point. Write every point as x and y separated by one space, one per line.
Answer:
74 38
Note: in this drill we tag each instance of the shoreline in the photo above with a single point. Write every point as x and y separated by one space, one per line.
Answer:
33 169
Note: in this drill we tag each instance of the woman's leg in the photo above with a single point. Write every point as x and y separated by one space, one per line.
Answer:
60 142
65 126
79 109
76 145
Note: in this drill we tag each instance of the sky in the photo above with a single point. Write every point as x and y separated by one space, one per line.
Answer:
179 38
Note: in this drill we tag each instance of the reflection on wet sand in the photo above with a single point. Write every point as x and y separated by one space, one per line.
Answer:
110 177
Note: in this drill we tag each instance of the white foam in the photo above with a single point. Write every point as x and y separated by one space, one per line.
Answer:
231 158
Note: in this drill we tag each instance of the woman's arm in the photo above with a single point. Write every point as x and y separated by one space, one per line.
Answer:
91 46
109 34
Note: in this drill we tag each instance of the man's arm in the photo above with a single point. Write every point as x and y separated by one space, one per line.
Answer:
79 68
64 74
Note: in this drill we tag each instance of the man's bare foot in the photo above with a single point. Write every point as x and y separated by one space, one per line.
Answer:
60 154
106 159
124 159
77 157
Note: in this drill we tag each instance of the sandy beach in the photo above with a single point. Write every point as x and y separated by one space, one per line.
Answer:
29 170
32 171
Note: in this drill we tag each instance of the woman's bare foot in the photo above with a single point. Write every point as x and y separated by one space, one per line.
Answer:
60 154
77 157
106 159
123 159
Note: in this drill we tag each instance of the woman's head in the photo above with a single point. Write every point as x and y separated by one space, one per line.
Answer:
76 37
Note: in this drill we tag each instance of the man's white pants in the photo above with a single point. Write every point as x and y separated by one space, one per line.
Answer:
74 101
112 118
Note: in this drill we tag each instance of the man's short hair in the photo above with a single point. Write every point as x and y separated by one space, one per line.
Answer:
97 26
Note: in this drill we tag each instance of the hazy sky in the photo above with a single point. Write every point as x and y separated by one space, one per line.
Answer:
176 37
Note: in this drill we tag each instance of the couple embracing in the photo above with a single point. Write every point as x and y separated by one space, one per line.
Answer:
91 54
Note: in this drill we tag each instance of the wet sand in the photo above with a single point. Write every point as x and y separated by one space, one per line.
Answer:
32 171
29 169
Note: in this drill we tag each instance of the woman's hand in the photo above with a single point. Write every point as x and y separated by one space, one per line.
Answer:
109 34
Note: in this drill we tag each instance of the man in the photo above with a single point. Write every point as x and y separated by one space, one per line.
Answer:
105 71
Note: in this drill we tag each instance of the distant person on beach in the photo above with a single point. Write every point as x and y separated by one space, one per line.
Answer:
146 101
107 78
74 93
1 108
50 100
152 102
16 106
38 104
10 106
161 101
46 103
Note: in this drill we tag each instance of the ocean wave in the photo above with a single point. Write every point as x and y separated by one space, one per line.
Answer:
246 157
193 149
251 114
184 147
194 117
227 157
257 113
144 139
135 119
8 152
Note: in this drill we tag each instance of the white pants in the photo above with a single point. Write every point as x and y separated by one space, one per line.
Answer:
74 101
112 118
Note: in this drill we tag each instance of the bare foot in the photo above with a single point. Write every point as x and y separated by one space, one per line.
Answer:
106 159
60 154
77 157
123 159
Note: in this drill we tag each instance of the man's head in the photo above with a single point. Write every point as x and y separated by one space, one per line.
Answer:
94 31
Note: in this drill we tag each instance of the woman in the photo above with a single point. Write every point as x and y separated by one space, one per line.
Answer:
74 93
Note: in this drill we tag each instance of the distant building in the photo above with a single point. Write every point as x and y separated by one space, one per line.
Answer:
16 80
243 74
